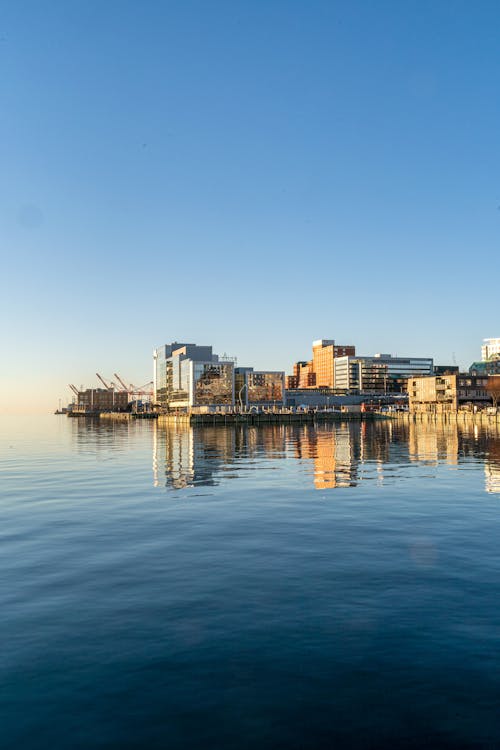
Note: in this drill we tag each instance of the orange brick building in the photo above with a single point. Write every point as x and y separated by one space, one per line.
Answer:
324 352
319 371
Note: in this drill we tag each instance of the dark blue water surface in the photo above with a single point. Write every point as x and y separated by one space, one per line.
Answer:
275 587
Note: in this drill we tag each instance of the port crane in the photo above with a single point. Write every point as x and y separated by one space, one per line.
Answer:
108 387
121 382
135 392
142 390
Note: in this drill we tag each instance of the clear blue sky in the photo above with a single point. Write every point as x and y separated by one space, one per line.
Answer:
254 175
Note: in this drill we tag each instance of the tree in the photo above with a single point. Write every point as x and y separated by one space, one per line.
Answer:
493 389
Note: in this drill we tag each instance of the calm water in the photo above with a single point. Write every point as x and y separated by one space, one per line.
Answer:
252 588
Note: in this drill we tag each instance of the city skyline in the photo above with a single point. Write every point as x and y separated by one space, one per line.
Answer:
331 367
215 172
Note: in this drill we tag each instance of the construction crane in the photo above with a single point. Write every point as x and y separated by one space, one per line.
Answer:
108 387
74 389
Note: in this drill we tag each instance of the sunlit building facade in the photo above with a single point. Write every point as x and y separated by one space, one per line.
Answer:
319 372
259 387
487 367
188 375
325 352
303 376
101 399
380 374
447 393
490 348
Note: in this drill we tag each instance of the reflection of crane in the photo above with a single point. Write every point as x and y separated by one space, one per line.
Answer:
109 387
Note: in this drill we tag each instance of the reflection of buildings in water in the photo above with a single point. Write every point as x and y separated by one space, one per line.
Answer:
433 441
93 435
492 474
184 456
269 440
446 441
335 452
492 465
376 439
346 454
173 456
345 451
342 454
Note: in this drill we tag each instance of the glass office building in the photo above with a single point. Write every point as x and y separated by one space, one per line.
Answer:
188 375
212 383
265 387
382 373
259 387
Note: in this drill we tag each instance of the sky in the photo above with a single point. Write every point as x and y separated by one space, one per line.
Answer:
253 175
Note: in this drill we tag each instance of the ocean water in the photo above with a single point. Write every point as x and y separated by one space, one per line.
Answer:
273 587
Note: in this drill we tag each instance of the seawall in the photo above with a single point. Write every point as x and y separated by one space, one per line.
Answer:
267 418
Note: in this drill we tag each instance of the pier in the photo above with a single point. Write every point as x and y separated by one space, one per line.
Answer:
128 415
123 416
256 418
480 418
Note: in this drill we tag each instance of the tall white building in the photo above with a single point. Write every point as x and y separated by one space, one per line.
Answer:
187 375
490 348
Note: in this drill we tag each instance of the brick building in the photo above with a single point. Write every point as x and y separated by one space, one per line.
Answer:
101 399
319 372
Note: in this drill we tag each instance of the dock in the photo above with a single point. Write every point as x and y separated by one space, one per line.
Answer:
254 418
480 418
122 416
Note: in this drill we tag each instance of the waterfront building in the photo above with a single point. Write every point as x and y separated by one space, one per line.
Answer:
303 376
320 398
306 374
319 372
100 399
440 394
259 387
446 369
490 348
487 367
490 359
325 352
380 374
188 375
